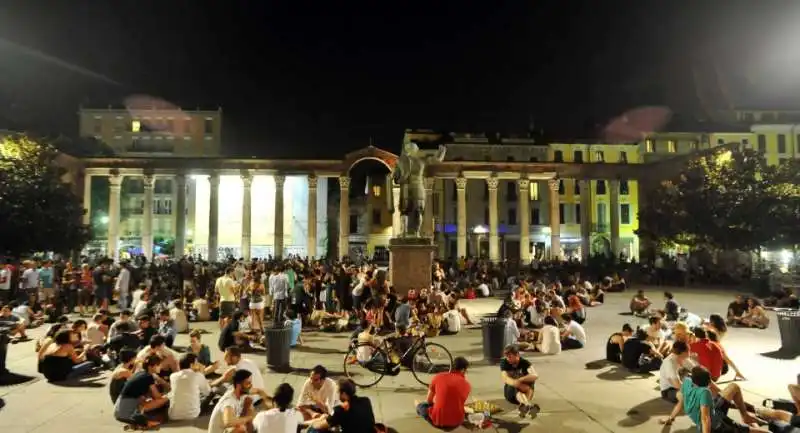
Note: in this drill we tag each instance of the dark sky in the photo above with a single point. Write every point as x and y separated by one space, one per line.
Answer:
318 78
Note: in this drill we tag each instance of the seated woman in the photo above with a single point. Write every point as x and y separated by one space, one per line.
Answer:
681 332
435 320
616 343
657 337
717 325
548 341
140 402
755 317
618 283
727 362
202 352
60 361
575 308
122 373
640 304
597 296
672 309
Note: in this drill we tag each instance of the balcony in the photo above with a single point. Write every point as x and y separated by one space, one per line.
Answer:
126 212
601 227
140 146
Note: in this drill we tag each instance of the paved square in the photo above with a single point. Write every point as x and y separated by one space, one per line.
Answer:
573 398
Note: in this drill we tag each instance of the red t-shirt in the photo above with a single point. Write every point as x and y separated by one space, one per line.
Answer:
450 393
709 355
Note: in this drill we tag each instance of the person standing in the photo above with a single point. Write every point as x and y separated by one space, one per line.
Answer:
225 288
279 290
29 282
123 284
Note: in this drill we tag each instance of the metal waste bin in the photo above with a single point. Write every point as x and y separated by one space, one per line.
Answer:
493 329
278 342
789 326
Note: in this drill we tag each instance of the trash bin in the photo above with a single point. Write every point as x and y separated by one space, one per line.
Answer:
493 329
789 326
278 349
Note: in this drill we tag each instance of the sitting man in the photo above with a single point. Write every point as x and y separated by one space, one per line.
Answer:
672 371
639 355
188 387
639 304
574 336
519 379
776 416
318 395
232 335
447 394
158 347
236 362
166 327
234 412
736 310
354 415
14 324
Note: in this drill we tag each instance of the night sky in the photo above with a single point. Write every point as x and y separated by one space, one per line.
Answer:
321 78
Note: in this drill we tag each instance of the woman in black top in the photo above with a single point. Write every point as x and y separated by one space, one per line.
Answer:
140 400
121 375
60 362
616 342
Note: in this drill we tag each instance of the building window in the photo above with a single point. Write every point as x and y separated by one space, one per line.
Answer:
746 142
692 145
577 213
512 216
486 216
535 216
376 217
623 157
720 142
577 156
534 190
601 187
649 146
576 187
561 213
208 126
187 126
510 158
353 224
625 213
558 156
671 146
599 157
376 190
623 187
781 143
136 126
762 143
561 187
511 191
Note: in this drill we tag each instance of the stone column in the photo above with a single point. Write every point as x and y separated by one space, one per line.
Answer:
494 237
461 198
213 218
397 217
586 219
87 199
277 245
614 186
524 220
555 223
440 217
427 218
344 216
114 186
247 214
147 216
311 234
180 215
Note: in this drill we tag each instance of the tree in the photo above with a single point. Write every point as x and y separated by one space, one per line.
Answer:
722 200
38 211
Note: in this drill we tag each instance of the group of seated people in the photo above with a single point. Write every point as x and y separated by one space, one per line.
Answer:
747 312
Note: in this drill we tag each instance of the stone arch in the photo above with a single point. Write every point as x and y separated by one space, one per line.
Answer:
388 159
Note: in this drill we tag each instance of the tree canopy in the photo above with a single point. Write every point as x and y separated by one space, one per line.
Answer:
729 199
39 212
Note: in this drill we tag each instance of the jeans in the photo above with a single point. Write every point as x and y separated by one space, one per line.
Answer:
278 310
81 369
123 299
422 411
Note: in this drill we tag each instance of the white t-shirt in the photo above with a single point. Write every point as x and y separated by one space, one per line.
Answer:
484 289
327 393
551 340
186 389
252 367
94 334
216 423
30 279
453 320
668 371
5 279
512 333
275 421
577 332
179 320
136 298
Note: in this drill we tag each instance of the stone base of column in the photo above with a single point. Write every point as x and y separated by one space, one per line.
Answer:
410 261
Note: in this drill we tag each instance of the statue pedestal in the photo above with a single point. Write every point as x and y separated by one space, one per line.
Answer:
410 262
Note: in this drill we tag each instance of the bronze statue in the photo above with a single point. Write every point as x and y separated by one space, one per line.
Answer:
409 173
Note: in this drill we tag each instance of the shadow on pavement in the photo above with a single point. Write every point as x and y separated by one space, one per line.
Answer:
781 354
642 412
318 350
618 373
597 365
12 379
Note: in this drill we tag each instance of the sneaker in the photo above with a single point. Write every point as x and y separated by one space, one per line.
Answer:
523 410
534 410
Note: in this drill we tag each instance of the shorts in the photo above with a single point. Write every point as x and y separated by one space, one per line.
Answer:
226 309
102 294
726 424
670 395
510 393
256 305
47 293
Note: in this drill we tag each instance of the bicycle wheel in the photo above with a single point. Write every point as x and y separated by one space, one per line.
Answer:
365 364
431 359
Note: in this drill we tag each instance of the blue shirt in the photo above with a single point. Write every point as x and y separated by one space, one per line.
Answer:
694 398
297 326
46 277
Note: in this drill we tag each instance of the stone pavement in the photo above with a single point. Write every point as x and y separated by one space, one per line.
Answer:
573 398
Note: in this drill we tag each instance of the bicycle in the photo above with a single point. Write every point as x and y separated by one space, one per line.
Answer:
377 360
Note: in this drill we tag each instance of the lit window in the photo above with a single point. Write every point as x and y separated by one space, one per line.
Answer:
693 145
648 146
599 157
136 126
623 157
376 190
671 146
534 190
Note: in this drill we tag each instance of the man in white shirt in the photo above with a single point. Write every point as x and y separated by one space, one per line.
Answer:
670 376
574 336
225 288
5 285
123 284
483 290
549 342
319 394
234 411
188 386
235 361
29 282
281 418
452 321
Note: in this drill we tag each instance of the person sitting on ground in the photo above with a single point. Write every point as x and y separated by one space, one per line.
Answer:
616 343
123 372
574 336
672 309
682 332
140 402
618 283
707 353
657 336
201 311
519 379
202 352
549 339
178 318
27 315
447 394
727 362
575 308
318 395
672 370
97 331
188 387
293 321
60 362
122 325
234 411
354 415
451 321
14 323
281 418
755 317
598 295
158 347
235 361
232 335
791 418
696 398
639 355
736 310
166 328
640 304
47 338
512 333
